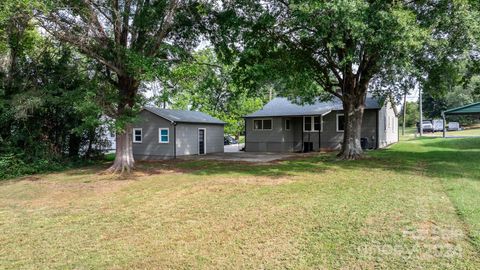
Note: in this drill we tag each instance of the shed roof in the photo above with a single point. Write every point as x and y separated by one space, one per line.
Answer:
473 108
181 116
283 107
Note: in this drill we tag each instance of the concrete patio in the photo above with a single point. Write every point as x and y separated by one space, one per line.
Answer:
254 157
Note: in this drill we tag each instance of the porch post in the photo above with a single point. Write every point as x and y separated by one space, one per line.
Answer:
319 134
444 125
303 146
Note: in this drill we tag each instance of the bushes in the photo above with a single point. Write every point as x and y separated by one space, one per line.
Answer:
13 165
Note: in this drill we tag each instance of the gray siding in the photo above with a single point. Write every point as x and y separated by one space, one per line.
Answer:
186 138
280 140
150 148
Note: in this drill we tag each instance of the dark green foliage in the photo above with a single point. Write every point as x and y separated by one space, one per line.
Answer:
412 116
43 85
13 165
207 85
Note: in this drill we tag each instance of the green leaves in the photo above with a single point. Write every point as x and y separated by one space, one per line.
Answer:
208 85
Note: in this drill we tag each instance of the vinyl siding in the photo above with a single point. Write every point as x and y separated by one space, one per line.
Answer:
280 140
186 138
150 148
388 126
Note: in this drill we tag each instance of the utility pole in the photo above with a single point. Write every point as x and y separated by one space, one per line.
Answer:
421 110
404 112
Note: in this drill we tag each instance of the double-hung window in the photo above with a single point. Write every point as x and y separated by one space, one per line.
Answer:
312 123
163 135
137 135
262 124
287 124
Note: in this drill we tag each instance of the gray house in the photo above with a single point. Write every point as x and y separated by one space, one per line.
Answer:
163 134
282 126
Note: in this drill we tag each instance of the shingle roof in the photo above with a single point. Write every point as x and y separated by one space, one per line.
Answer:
284 107
184 116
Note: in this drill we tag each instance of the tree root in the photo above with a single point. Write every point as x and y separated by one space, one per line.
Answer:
351 154
121 167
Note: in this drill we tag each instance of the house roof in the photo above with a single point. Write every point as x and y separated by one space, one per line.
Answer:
470 109
181 116
283 107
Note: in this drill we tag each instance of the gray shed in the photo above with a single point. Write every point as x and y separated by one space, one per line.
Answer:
163 134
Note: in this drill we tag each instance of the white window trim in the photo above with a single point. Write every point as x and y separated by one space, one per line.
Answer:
338 115
141 135
262 119
290 124
313 123
160 135
204 141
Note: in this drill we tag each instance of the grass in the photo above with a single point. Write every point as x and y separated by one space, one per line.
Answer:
473 131
465 132
415 205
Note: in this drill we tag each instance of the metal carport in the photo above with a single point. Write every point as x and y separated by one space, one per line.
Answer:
471 109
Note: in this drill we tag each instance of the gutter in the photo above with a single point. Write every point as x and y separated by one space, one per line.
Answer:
377 131
174 140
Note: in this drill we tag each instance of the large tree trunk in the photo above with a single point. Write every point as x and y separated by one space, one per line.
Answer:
353 106
124 160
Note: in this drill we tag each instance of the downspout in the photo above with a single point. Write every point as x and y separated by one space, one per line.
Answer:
245 129
444 125
319 134
377 139
174 140
303 142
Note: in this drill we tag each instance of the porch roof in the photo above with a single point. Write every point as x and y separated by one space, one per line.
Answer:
284 107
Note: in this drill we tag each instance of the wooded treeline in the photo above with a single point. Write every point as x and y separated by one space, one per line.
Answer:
73 70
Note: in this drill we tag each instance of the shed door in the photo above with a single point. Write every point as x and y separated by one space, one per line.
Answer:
201 141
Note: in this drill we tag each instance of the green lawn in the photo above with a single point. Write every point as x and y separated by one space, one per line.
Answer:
415 205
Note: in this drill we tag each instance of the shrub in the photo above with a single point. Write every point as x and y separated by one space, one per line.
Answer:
13 165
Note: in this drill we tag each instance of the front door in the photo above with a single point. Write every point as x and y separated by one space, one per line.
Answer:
201 141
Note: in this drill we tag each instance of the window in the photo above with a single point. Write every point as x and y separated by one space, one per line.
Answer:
163 135
316 123
307 123
137 135
287 124
262 124
340 122
312 123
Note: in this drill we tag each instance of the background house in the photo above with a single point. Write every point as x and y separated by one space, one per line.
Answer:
163 133
282 126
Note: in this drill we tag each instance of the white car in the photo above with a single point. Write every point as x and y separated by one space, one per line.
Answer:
454 126
427 126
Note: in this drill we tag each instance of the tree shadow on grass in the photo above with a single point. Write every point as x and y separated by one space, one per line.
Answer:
456 158
450 158
275 169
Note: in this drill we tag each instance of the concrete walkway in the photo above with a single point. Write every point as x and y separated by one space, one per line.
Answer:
254 157
232 148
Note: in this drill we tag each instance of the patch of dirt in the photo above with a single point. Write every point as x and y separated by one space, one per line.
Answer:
62 194
228 185
32 178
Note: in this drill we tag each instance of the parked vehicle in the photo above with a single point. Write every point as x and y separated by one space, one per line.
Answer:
227 140
427 126
453 126
437 125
